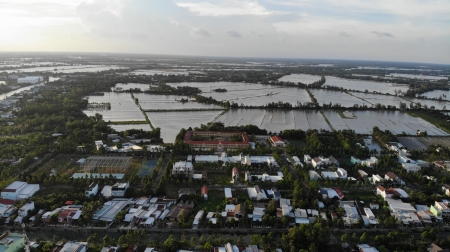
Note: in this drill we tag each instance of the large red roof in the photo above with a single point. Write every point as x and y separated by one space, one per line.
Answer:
205 190
216 142
276 139
6 202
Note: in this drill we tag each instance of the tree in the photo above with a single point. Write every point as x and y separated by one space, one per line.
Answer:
240 240
363 238
122 240
344 238
171 244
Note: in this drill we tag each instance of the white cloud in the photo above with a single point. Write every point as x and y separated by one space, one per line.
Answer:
383 34
226 8
234 34
199 32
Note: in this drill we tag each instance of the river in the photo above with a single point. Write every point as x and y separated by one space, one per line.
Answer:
3 96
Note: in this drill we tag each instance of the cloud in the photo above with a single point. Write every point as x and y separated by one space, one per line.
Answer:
200 32
234 34
383 34
344 34
226 8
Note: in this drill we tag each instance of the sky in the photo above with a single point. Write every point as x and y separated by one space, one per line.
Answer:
387 30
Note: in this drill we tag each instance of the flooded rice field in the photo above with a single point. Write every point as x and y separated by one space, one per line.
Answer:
361 85
250 94
395 121
303 78
437 94
122 109
381 99
67 69
418 76
172 122
324 96
441 105
161 102
275 120
119 128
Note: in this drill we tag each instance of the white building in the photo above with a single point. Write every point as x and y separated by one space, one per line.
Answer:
228 194
377 179
92 189
256 193
75 247
370 162
313 175
19 190
307 159
183 168
30 79
116 190
297 161
197 219
411 167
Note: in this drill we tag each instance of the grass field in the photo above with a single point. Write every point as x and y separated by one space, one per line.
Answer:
219 178
297 143
63 165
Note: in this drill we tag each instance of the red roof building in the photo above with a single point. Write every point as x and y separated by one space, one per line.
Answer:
339 193
219 144
277 141
205 192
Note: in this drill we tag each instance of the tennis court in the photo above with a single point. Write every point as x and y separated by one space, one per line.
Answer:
147 167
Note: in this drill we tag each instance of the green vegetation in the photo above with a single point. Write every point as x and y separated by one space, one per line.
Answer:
434 117
127 122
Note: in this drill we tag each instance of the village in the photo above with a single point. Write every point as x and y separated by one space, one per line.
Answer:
235 192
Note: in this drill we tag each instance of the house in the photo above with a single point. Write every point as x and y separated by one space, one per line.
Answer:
307 159
366 248
390 176
313 175
363 174
198 217
239 211
110 249
374 206
297 161
389 193
444 165
234 174
411 167
19 190
316 162
256 193
204 192
183 168
228 194
440 209
446 189
277 141
355 160
92 189
23 211
342 173
333 161
435 248
377 179
119 189
30 79
75 247
370 162
6 208
69 214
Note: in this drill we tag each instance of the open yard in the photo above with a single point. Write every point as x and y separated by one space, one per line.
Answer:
62 164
